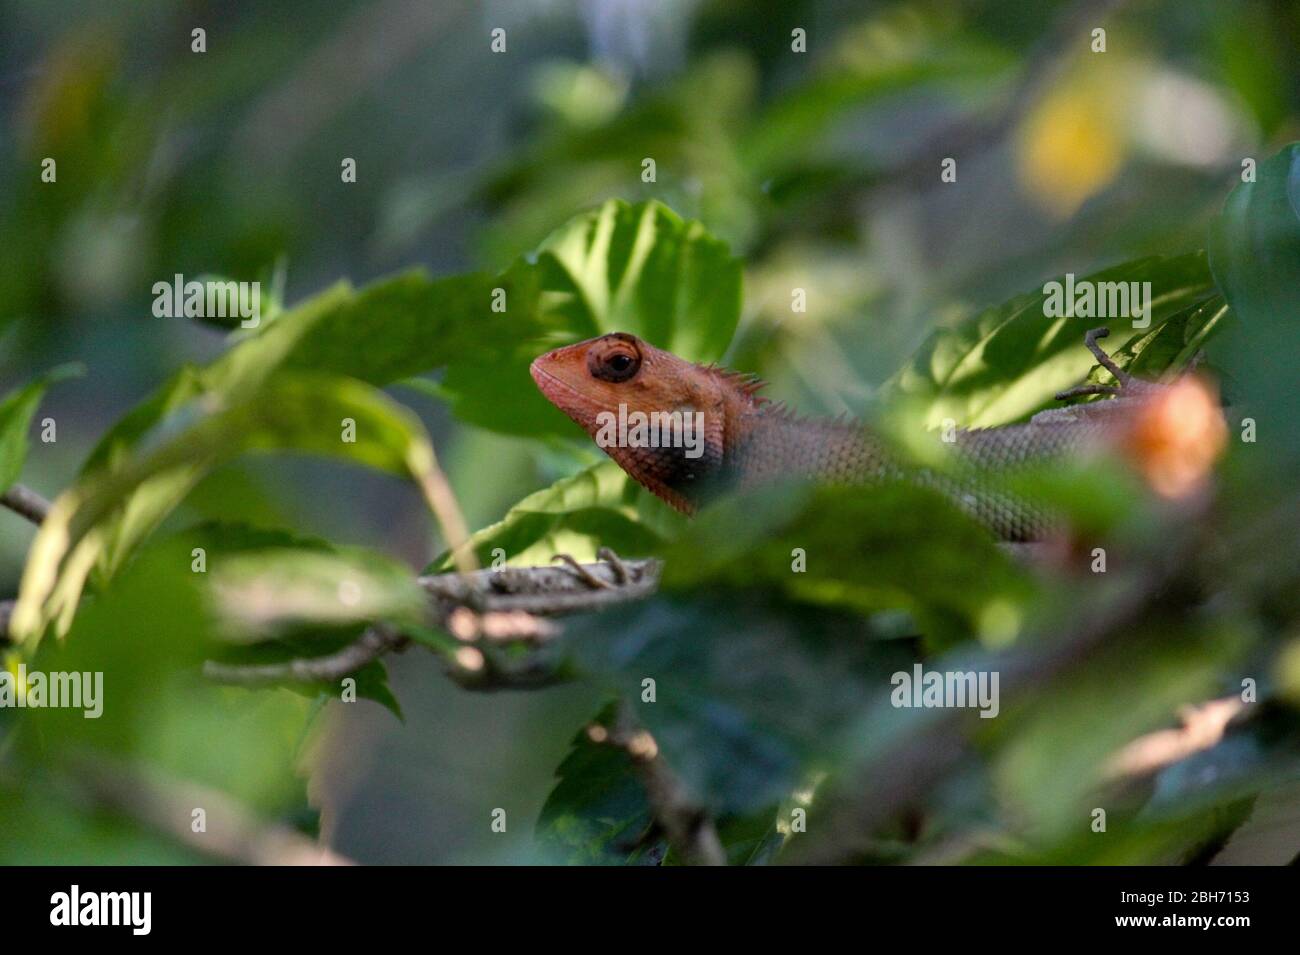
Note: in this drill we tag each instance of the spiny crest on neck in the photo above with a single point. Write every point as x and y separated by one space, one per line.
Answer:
746 386
743 381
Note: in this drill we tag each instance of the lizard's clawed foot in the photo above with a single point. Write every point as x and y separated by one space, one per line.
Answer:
1124 378
591 580
620 568
586 576
1082 390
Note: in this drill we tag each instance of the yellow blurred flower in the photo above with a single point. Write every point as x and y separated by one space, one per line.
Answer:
1072 144
1288 671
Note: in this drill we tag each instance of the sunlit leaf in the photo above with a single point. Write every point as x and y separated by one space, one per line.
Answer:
642 269
1007 362
598 507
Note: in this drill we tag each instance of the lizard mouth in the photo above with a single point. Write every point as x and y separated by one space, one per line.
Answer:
545 381
559 392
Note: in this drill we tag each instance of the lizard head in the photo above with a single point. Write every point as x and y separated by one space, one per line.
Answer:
661 418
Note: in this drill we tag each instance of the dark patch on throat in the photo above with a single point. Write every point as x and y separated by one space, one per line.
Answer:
684 482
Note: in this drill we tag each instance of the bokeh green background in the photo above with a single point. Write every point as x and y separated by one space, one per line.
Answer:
821 170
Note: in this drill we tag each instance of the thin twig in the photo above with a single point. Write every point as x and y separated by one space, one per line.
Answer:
371 645
23 500
475 605
446 511
497 602
686 824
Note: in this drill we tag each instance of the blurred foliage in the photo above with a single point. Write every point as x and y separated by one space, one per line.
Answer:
518 181
1255 250
16 412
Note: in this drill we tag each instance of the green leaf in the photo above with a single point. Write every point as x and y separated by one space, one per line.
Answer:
16 412
1255 243
1255 254
232 538
642 269
258 594
494 363
632 268
390 330
115 447
227 297
636 268
371 679
598 813
237 553
402 326
749 691
895 547
98 522
760 663
149 634
751 839
372 684
1005 363
599 506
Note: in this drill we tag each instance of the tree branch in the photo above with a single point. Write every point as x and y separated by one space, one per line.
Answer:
544 591
371 645
686 824
499 605
23 500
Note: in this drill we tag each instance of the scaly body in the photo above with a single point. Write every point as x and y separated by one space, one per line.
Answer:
748 440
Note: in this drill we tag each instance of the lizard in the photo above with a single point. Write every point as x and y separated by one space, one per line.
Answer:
727 435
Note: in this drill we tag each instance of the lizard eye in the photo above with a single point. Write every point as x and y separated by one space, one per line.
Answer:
618 362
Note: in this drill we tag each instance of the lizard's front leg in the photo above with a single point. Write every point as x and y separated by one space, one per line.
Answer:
1128 385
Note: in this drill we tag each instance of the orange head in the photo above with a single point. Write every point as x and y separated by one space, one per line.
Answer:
663 419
